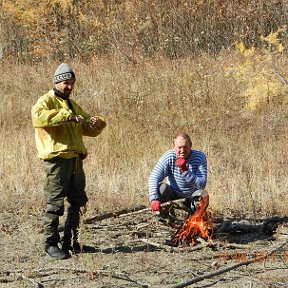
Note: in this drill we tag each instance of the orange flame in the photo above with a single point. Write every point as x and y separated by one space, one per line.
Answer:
196 225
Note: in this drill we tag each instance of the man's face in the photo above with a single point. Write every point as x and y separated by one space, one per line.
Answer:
65 87
182 147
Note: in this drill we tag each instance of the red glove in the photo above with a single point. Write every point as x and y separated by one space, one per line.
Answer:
181 163
155 205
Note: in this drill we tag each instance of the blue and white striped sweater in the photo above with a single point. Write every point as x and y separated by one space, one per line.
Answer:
183 184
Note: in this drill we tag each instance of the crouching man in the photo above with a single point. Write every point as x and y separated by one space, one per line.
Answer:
185 170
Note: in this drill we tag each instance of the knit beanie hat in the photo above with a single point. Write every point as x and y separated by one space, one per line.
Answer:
62 73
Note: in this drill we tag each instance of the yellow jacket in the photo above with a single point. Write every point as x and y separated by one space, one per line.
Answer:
57 136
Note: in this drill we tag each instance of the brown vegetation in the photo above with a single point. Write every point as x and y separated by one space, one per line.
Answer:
69 29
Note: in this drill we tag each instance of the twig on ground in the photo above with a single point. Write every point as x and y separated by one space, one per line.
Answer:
158 245
258 281
118 275
234 245
226 269
202 241
283 261
229 245
174 249
35 283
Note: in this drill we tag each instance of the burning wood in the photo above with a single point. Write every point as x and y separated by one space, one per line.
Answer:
196 225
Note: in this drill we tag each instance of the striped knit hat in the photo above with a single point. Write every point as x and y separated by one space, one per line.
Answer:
62 73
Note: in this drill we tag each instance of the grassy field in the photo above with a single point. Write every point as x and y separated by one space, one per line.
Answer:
233 106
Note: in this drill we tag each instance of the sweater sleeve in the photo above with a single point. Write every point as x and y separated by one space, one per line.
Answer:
43 116
87 130
197 174
157 175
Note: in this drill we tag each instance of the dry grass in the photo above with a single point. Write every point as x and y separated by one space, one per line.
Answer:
146 104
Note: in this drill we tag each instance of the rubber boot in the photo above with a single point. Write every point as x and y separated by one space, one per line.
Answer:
70 239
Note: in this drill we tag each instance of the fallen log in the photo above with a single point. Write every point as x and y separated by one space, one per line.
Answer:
267 226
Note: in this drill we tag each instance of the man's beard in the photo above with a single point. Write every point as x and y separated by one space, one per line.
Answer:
67 93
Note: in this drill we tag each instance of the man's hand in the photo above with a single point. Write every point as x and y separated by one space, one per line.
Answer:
181 164
78 119
155 205
96 122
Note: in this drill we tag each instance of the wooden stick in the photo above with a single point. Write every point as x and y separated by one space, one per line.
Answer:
128 212
168 248
229 268
135 212
165 204
233 245
157 245
112 214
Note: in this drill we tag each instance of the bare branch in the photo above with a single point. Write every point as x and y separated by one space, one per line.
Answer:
277 73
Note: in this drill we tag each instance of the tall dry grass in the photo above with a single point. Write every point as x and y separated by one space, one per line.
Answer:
145 105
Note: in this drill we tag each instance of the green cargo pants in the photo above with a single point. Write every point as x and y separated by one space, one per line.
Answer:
64 178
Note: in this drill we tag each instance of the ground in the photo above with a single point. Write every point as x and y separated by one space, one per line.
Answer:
130 251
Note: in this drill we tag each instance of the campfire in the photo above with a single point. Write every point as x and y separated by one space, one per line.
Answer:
196 225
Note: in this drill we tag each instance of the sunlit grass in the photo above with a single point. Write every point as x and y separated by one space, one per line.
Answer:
145 105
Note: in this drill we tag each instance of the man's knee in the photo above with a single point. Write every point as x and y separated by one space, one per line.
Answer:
55 209
166 193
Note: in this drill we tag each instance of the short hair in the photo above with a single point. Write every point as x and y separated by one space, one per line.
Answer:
183 135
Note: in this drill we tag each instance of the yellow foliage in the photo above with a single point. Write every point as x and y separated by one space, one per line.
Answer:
261 85
247 52
280 47
261 91
240 47
273 37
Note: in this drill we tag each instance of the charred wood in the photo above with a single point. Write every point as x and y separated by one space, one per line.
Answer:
244 226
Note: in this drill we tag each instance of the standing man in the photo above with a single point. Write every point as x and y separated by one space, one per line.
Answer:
59 124
186 170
